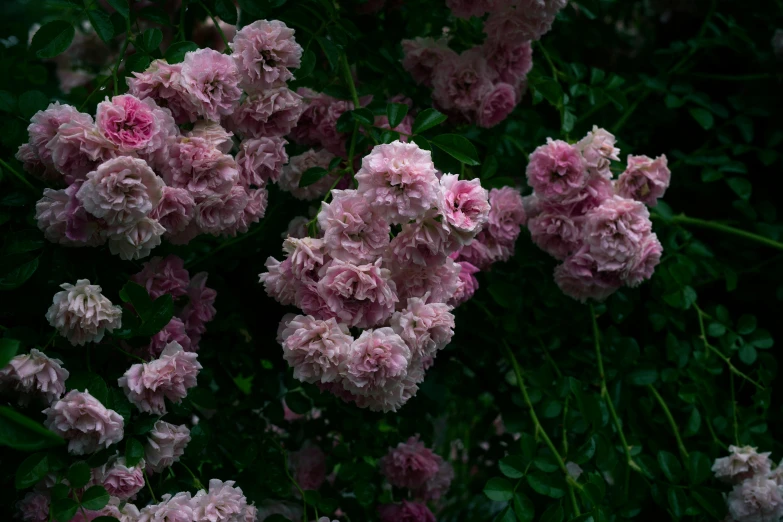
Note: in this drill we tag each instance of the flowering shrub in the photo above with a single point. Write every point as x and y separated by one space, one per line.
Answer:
482 310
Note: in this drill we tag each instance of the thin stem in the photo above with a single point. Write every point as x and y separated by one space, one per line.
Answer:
539 429
734 411
549 359
19 176
217 26
565 419
98 88
196 481
673 424
555 72
349 81
181 28
685 220
702 30
149 486
627 114
122 55
129 354
732 78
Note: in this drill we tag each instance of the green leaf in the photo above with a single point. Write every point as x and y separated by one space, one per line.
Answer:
489 168
512 466
677 501
8 350
78 474
95 498
312 175
643 376
158 316
703 117
298 402
710 501
52 39
741 187
699 468
550 89
422 142
670 466
554 513
396 112
121 6
7 102
748 354
20 433
101 22
31 471
427 119
155 14
150 40
499 489
64 509
331 51
545 484
176 52
716 329
523 508
694 423
226 10
134 452
363 116
19 275
137 62
307 65
746 324
457 147
31 102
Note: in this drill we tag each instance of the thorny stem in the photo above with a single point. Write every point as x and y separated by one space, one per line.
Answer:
608 400
673 424
122 55
19 176
685 220
539 429
149 486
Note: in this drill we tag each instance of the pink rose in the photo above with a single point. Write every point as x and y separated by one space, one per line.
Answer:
405 512
265 51
135 240
196 165
175 210
579 278
119 480
359 295
426 242
510 60
598 150
84 422
309 467
318 123
556 171
292 174
261 160
614 233
162 275
34 507
523 20
34 374
134 125
410 465
279 282
163 83
422 56
556 233
439 281
464 203
461 82
377 360
201 305
644 179
63 219
496 105
353 232
211 79
425 327
173 332
165 445
315 349
82 314
467 286
222 502
269 113
506 214
219 213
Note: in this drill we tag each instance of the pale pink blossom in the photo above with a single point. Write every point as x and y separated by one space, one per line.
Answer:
645 179
173 332
120 481
222 502
741 464
134 125
307 256
645 261
358 295
438 485
464 203
315 348
196 165
556 171
43 128
352 230
440 281
468 8
165 445
405 512
214 133
509 60
279 282
168 377
556 233
175 210
757 499
522 20
309 467
615 231
34 507
297 227
135 240
290 510
163 275
318 123
598 150
78 148
482 252
255 209
269 113
579 278
298 165
265 52
425 327
398 180
377 360
82 314
410 465
261 160
163 83
121 191
426 241
177 508
496 105
211 79
506 214
468 284
33 165
422 56
219 213
63 220
84 422
201 305
461 83
34 374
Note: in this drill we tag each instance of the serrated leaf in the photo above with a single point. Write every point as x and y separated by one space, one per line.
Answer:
31 471
458 147
64 509
52 39
176 52
312 175
427 119
101 22
121 6
8 350
78 474
396 112
95 498
512 466
150 39
226 10
134 452
499 489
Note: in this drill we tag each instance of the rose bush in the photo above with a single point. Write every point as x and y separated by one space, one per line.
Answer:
518 260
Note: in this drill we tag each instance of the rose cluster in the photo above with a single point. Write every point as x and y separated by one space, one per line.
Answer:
413 466
398 291
168 275
134 176
484 83
757 495
599 227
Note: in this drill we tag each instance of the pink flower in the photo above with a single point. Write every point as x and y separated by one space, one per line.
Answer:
43 128
615 231
163 83
556 233
468 8
405 127
425 327
556 171
63 220
201 305
134 125
410 465
464 203
265 51
120 480
78 148
467 286
221 503
757 499
297 227
522 20
219 213
82 314
173 332
168 377
359 295
292 174
482 252
422 56
261 160
84 422
135 240
165 445
506 214
307 256
270 113
510 60
196 165
438 485
318 123
462 82
34 507
426 241
121 191
440 281
352 230
175 210
398 180
741 464
214 133
279 282
255 209
34 374
315 348
579 278
645 262
598 150
309 467
163 276
644 179
496 105
377 360
405 512
211 79
179 508
33 165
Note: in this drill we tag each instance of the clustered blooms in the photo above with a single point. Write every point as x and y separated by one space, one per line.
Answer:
757 495
413 466
399 292
484 83
168 275
598 227
133 176
82 314
34 375
84 422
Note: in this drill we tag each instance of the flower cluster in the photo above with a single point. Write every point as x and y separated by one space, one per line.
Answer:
484 83
757 495
415 467
399 291
168 275
34 375
599 227
82 314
